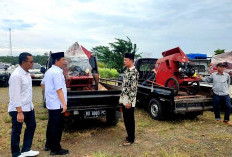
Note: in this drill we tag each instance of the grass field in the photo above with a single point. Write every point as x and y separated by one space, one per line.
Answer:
92 138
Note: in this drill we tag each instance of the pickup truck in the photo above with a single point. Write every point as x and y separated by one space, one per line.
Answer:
85 103
161 101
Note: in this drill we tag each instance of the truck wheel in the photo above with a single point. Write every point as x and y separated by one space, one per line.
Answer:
112 117
173 84
5 84
193 88
155 110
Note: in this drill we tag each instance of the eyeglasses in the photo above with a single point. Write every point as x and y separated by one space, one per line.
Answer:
30 61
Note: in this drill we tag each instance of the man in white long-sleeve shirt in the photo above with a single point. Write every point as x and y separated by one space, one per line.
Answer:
21 108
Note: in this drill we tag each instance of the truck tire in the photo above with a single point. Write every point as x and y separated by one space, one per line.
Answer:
112 117
172 83
5 84
155 109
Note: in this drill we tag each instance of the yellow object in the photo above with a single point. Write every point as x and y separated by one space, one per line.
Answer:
87 71
195 75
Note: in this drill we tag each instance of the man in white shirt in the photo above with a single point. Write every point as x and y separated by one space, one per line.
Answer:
21 108
56 102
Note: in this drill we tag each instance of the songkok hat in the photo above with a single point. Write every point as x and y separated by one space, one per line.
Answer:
221 65
129 55
57 55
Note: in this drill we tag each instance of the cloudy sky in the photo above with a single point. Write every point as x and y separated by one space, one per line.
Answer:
197 26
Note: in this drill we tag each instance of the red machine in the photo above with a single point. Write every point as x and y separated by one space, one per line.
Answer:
82 71
175 71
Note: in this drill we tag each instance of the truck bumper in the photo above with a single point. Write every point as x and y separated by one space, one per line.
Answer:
184 107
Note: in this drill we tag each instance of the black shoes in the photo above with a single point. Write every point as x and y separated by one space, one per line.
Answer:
60 152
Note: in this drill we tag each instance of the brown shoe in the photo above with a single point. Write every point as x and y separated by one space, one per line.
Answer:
228 123
218 121
127 143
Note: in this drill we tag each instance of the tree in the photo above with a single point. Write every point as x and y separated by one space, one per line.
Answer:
219 51
14 59
113 56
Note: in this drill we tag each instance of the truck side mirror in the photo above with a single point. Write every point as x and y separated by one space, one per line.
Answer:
42 70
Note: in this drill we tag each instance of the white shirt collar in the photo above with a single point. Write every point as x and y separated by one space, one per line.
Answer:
131 67
58 68
23 71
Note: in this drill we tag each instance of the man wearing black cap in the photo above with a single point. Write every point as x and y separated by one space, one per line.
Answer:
221 85
56 101
128 97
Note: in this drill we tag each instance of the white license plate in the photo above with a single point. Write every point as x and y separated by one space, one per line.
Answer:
94 113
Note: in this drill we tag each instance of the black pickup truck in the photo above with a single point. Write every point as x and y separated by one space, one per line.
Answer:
92 103
162 102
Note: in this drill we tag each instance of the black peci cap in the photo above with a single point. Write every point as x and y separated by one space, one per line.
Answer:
129 55
220 65
57 55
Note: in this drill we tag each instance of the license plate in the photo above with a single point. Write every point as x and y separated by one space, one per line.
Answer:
94 113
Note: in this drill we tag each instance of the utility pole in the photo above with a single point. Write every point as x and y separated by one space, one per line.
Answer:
10 42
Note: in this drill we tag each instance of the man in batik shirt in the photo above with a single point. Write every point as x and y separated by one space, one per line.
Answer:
128 97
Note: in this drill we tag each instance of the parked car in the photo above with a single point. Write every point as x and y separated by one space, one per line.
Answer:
4 75
36 74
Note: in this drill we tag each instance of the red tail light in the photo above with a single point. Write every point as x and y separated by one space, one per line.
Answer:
66 114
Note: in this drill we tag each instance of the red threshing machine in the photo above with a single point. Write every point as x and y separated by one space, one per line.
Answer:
81 72
175 71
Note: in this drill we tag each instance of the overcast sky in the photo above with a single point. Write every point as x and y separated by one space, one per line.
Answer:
197 26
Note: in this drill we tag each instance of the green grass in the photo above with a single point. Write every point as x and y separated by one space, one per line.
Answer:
171 153
108 73
7 119
101 154
172 138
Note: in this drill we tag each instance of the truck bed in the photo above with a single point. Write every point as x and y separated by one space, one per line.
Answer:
181 103
83 100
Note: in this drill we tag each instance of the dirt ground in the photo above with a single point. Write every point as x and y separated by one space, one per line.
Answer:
93 138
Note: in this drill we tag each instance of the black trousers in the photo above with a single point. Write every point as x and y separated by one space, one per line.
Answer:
29 119
129 121
54 129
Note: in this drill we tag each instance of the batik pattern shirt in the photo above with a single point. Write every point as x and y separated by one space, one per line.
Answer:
129 87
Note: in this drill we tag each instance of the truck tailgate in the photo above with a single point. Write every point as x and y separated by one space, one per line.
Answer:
193 103
83 100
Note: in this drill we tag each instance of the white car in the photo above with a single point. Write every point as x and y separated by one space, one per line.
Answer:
36 75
